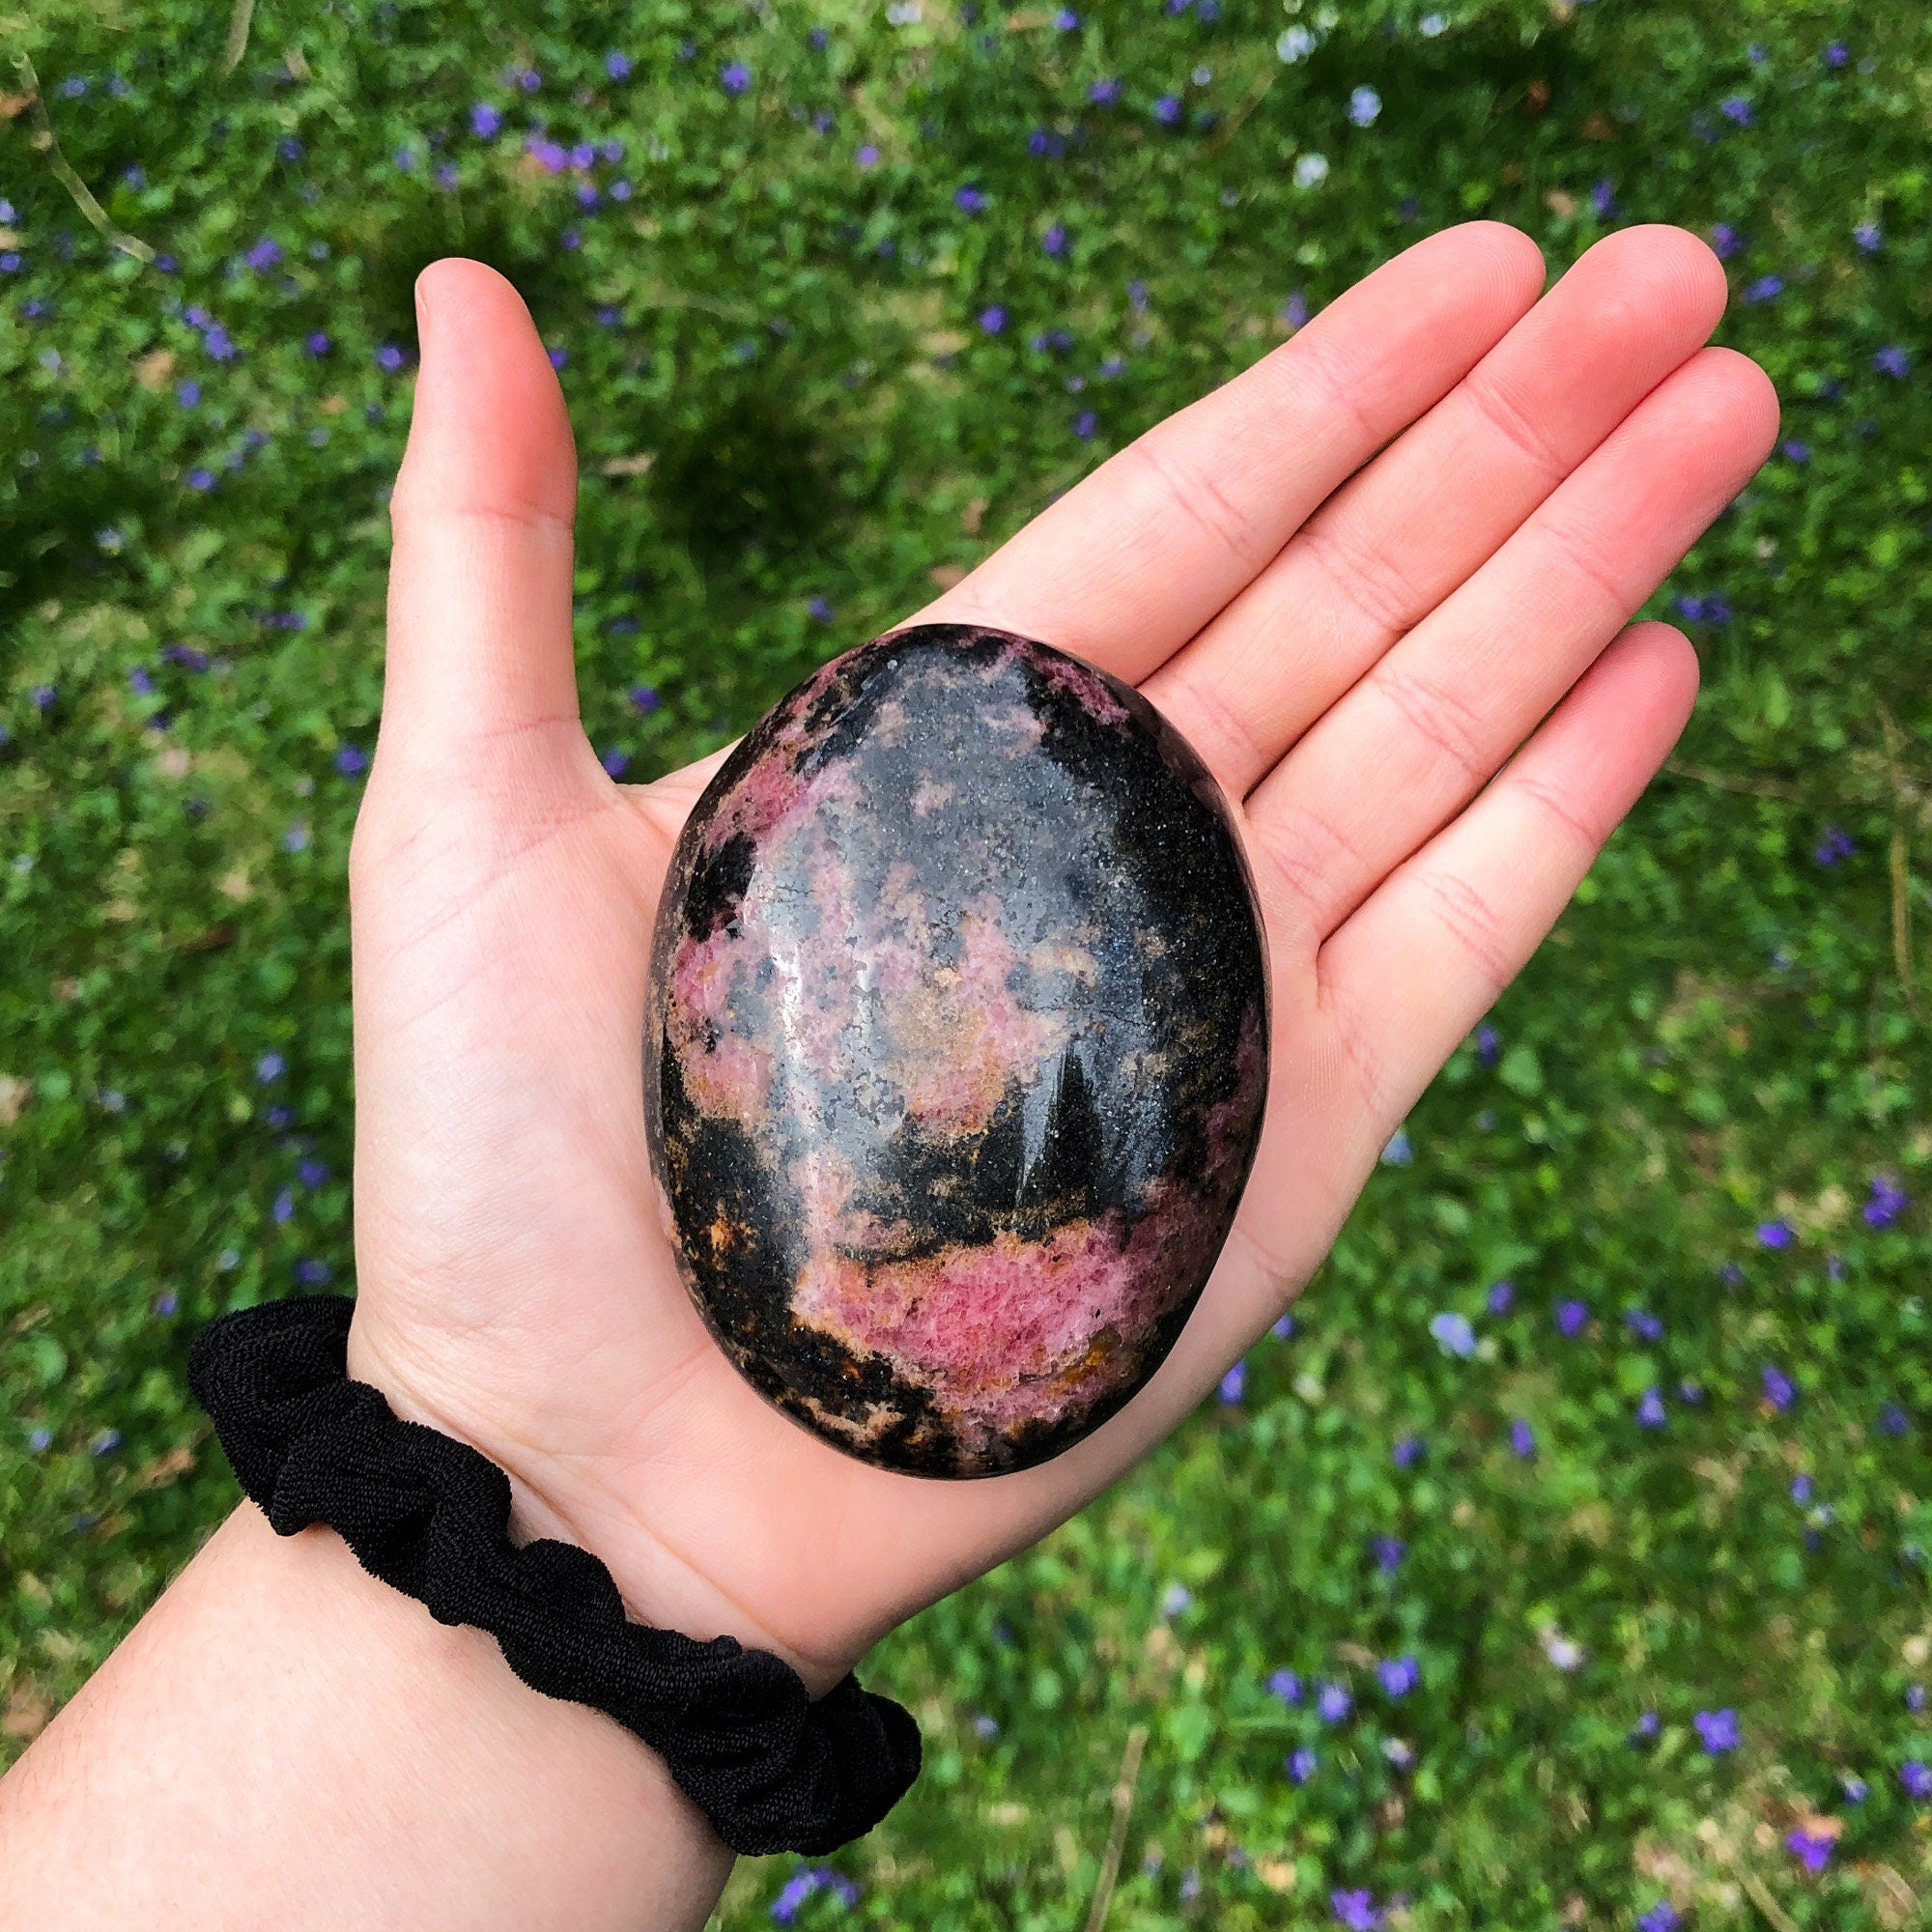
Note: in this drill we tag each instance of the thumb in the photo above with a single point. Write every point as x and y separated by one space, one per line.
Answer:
480 578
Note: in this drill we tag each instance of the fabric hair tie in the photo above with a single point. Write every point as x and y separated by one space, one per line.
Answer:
773 1769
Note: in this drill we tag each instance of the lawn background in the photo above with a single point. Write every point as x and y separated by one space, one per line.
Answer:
795 409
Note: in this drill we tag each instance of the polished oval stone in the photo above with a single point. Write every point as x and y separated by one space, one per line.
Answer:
956 1048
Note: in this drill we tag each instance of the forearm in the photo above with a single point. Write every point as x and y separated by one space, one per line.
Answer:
285 1741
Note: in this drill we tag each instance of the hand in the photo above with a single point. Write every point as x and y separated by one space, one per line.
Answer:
1409 667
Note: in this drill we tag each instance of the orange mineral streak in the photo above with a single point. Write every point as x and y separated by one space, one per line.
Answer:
954 1037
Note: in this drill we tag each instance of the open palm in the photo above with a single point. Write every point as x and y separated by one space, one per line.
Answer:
1380 580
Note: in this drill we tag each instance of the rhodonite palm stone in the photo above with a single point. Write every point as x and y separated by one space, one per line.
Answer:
956 1048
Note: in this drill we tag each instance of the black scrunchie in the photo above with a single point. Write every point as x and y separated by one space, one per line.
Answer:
773 1770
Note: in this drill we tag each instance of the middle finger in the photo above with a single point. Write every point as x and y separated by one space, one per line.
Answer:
1431 508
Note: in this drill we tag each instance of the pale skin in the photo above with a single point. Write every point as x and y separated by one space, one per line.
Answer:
1382 580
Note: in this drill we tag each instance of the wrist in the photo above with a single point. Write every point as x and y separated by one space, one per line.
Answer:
586 1499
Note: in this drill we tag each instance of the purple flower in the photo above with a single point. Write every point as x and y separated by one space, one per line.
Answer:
1646 1727
1650 1410
1234 1386
1767 288
1893 1420
1453 1334
1837 54
1356 1909
105 1443
993 318
1054 240
793 1893
986 1728
1726 240
167 1302
1104 92
1282 1327
1407 1450
389 357
735 79
270 1067
1892 360
199 478
616 763
1522 1439
296 838
1813 1852
1777 1388
1719 1730
1604 199
1796 450
1284 1685
617 66
1734 107
969 200
1389 1551
1085 424
868 156
1399 1675
1662 1916
1870 237
351 759
643 698
1916 1778
1642 1323
263 255
1167 110
312 1174
1067 21
1801 1488
1774 1235
312 1273
284 1210
1836 843
317 343
1333 1703
819 609
1572 1318
1888 1200
219 343
1302 1766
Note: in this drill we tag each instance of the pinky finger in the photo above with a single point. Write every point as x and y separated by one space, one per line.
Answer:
1426 955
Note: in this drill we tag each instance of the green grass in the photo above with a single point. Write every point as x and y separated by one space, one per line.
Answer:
1723 1033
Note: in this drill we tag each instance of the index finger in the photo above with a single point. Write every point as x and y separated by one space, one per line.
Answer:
1125 568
